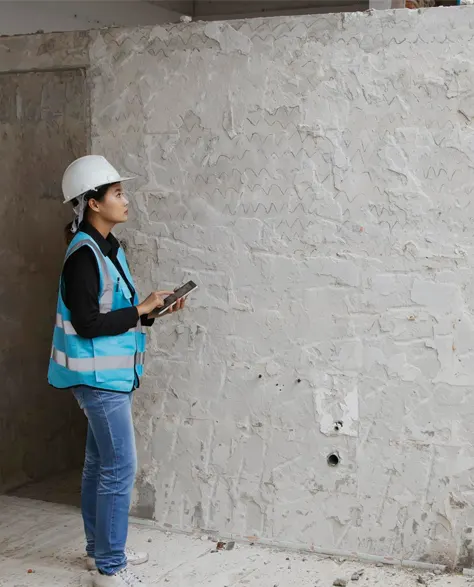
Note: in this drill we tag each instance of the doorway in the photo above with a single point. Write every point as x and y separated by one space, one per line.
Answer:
43 127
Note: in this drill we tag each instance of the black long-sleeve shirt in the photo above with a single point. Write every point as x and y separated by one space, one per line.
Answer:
81 289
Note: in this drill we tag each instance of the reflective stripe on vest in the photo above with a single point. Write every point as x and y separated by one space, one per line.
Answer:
68 328
92 363
65 325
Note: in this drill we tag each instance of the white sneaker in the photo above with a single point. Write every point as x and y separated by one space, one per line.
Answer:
133 558
124 578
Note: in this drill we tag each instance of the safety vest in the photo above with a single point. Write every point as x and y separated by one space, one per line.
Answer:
106 362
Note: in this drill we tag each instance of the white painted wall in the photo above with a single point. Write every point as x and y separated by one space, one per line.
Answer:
314 175
19 17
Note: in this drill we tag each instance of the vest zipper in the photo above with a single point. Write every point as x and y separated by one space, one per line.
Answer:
135 383
117 289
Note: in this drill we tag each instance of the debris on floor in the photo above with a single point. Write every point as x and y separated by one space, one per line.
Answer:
222 545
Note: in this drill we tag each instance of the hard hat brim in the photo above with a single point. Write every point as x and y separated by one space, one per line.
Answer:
118 181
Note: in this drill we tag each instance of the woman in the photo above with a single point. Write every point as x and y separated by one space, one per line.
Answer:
98 353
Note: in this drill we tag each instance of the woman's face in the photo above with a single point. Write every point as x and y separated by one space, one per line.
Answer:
113 207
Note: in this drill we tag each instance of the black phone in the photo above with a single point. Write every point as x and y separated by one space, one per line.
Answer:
171 300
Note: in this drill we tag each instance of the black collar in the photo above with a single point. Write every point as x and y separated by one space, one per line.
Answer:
108 246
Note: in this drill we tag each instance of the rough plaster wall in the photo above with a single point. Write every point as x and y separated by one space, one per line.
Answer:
314 175
43 125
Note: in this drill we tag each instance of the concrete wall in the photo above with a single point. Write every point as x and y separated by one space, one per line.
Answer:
228 9
33 16
23 17
43 125
314 176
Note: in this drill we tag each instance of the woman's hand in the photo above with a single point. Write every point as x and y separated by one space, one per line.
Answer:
153 301
178 306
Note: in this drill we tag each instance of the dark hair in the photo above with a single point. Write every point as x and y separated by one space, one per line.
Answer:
98 195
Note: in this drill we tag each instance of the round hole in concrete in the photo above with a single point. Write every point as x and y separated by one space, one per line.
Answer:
334 459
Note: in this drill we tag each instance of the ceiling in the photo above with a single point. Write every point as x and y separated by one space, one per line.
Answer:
212 9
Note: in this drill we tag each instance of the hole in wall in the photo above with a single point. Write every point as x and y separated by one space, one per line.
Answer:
333 459
338 425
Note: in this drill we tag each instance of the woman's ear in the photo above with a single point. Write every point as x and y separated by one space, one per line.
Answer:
93 205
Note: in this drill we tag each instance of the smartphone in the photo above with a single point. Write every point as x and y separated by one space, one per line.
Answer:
171 300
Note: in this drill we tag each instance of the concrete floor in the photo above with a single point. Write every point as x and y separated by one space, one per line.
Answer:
41 546
64 488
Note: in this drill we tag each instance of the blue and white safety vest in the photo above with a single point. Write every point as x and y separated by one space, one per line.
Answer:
106 362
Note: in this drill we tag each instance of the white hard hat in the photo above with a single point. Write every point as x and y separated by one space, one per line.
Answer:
88 173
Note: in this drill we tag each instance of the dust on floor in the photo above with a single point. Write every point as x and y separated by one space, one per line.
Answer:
41 545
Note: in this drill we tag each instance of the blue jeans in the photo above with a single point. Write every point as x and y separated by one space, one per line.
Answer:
109 473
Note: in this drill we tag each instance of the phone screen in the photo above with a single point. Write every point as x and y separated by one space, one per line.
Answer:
181 292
